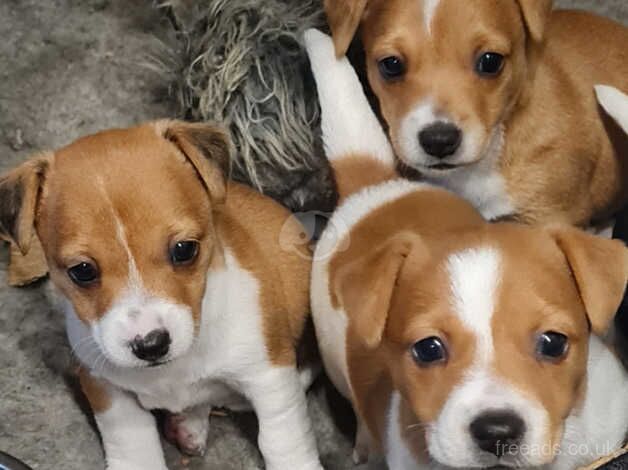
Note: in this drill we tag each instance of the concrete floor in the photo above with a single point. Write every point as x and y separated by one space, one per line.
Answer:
68 68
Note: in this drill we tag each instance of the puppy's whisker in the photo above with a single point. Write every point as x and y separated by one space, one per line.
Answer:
415 426
81 343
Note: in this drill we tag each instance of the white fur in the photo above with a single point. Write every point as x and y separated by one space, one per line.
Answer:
615 103
474 278
226 362
398 456
477 177
129 435
429 10
348 123
599 428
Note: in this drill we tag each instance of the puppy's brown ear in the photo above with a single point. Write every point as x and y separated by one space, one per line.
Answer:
208 147
19 193
365 287
344 17
600 269
536 14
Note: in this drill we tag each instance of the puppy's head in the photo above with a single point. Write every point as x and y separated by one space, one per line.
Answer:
484 335
125 219
447 73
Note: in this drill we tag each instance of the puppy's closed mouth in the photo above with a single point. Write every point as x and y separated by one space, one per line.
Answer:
158 363
443 166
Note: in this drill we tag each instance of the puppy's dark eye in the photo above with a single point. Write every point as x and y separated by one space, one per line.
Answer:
391 67
184 252
429 351
552 345
83 274
489 64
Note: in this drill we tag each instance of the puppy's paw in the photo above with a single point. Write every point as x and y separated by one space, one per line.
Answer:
188 431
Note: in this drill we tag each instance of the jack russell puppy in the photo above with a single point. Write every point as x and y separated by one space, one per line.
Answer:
460 344
493 99
176 291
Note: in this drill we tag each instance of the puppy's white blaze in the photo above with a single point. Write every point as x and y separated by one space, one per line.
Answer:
429 10
474 279
348 123
615 103
398 456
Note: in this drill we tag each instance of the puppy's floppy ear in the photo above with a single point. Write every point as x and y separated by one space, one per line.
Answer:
536 14
344 17
365 287
208 147
19 194
600 269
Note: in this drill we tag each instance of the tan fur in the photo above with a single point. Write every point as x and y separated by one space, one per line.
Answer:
561 161
94 391
353 173
539 291
26 268
250 226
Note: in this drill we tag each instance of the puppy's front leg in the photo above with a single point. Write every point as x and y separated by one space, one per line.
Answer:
286 438
129 432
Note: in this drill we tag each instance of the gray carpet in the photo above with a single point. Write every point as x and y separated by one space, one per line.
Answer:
71 67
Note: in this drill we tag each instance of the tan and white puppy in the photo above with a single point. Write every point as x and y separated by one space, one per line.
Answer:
176 291
461 344
493 100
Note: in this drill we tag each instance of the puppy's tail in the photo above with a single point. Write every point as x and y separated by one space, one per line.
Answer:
615 103
355 143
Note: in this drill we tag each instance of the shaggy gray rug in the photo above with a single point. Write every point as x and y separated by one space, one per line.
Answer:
71 67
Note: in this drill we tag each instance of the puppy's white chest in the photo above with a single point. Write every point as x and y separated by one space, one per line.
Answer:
177 397
482 185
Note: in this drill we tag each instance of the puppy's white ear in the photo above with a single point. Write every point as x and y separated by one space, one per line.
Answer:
19 194
365 287
536 14
615 103
600 269
207 147
344 17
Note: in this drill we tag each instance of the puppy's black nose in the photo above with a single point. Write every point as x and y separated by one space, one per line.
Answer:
497 432
151 347
440 139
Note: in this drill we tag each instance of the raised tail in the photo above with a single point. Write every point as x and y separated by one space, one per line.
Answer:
355 143
615 103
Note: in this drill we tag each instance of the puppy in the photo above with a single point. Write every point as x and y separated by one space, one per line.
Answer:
176 292
493 100
460 344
